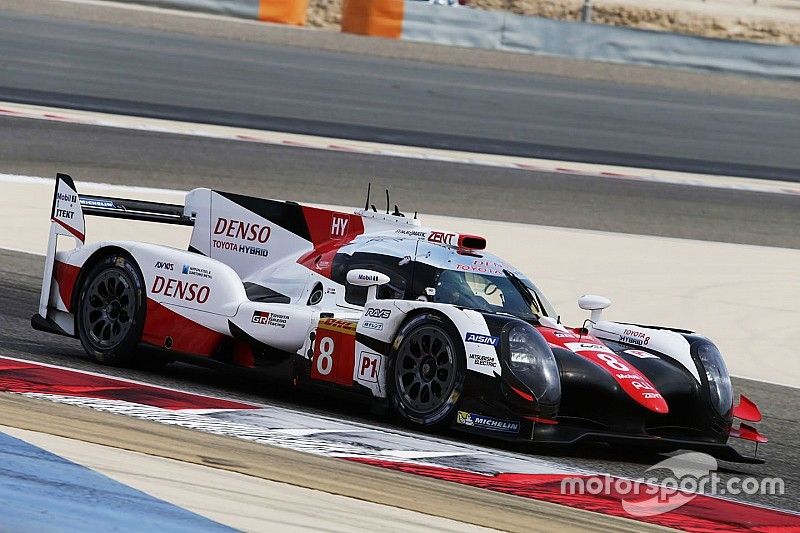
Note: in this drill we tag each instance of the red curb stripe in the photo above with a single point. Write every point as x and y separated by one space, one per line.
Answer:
25 377
702 514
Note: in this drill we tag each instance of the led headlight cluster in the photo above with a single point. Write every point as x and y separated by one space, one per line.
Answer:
533 362
719 381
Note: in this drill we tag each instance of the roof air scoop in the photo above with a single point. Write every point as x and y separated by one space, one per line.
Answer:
471 242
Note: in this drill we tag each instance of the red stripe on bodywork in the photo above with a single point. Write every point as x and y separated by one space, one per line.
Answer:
630 379
187 335
66 276
330 230
700 514
24 376
80 236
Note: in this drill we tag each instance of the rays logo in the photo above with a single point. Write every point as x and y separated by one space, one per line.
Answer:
378 313
478 338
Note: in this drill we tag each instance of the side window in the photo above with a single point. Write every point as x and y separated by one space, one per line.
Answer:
485 288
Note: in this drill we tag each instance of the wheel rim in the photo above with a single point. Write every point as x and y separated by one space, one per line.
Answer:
425 372
108 308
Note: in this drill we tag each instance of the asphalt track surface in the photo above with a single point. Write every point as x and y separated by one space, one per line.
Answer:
126 70
127 157
140 71
20 278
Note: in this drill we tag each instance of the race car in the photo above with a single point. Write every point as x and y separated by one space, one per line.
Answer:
422 322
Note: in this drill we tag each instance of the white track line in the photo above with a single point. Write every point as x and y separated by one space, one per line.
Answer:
566 168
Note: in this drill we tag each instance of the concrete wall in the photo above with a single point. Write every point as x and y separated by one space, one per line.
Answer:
506 31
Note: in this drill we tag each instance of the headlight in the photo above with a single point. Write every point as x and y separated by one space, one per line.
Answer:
532 362
719 381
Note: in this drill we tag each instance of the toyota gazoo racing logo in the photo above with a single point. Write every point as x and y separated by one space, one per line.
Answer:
181 290
478 338
270 319
378 313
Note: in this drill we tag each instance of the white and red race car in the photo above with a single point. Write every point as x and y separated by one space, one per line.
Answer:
422 320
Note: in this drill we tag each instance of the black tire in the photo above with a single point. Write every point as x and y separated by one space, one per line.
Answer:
427 371
111 307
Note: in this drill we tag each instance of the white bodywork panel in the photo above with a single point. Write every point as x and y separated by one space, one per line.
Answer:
667 342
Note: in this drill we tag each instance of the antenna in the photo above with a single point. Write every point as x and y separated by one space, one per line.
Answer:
397 212
387 201
369 189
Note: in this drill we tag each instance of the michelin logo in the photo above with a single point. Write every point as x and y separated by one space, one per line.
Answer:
486 422
477 338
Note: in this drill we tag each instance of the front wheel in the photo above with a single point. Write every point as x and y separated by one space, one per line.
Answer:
111 309
427 371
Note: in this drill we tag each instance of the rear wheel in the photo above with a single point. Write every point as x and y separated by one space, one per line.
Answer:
428 369
111 309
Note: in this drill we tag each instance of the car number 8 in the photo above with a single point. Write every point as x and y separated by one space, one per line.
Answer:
613 362
325 358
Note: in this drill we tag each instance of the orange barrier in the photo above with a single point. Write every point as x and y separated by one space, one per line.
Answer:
379 18
283 11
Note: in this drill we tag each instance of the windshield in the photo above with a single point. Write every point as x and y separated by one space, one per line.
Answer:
495 294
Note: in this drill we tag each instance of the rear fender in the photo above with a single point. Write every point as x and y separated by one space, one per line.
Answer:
199 288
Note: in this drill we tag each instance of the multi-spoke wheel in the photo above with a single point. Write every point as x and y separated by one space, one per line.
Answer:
111 309
427 371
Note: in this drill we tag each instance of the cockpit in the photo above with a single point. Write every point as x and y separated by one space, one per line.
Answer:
491 293
419 269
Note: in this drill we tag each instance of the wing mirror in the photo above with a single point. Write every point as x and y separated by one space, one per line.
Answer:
595 304
371 279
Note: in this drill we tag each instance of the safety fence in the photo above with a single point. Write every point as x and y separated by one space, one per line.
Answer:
498 30
421 21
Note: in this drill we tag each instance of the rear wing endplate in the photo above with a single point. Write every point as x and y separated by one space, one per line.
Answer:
67 218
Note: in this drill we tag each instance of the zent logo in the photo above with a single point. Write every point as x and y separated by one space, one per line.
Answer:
477 338
378 313
339 226
175 288
441 237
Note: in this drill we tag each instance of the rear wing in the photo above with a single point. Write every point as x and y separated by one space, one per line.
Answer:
67 218
103 206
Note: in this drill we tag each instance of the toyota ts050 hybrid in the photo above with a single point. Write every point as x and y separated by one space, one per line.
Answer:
423 321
